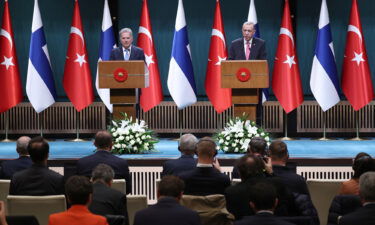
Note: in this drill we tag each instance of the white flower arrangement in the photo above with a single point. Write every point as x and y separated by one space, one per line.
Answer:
131 137
237 134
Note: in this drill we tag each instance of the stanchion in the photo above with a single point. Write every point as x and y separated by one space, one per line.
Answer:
77 139
286 138
6 128
324 138
357 138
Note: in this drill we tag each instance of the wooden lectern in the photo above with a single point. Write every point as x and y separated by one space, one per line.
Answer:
245 77
122 78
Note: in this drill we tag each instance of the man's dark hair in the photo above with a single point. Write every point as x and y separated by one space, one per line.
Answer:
278 150
258 146
206 147
362 165
263 195
171 186
38 149
78 190
250 166
102 172
103 139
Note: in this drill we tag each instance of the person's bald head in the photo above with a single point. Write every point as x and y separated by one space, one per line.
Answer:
22 144
103 140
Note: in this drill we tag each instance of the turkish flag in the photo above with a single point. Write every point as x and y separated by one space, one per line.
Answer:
356 76
286 81
10 83
77 76
221 98
153 94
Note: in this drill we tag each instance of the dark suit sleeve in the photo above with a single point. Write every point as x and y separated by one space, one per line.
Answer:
127 178
112 56
142 55
262 52
231 52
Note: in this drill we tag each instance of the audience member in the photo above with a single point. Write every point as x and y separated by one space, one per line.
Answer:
186 162
206 178
279 154
263 202
257 147
362 163
79 193
38 179
103 143
10 167
251 169
366 214
2 214
106 200
168 211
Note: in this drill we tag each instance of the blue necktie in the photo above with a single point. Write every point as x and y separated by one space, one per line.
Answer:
127 55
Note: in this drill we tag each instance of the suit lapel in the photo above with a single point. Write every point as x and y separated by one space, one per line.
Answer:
252 49
242 50
121 54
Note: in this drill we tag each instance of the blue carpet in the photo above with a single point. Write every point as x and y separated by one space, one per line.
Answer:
168 149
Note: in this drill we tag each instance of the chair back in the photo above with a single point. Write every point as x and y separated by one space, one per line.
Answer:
4 189
134 204
120 185
211 208
39 206
322 193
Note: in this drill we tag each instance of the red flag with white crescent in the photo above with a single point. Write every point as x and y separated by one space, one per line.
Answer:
153 94
221 98
10 82
286 80
356 76
77 75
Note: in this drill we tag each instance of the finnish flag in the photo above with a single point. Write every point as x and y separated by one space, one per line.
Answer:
324 82
40 85
181 83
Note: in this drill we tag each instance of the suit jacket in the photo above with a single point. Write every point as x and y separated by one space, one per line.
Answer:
86 165
364 216
343 205
76 215
262 219
108 201
167 212
257 49
10 167
293 181
238 198
136 53
205 181
180 165
36 180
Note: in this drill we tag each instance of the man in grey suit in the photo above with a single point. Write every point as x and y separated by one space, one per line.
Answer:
248 47
127 51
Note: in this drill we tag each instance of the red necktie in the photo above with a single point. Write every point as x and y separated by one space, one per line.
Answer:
247 50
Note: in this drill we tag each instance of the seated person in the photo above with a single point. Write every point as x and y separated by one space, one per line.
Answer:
79 193
186 162
106 200
10 167
364 215
361 164
263 202
206 178
168 211
38 179
103 143
342 205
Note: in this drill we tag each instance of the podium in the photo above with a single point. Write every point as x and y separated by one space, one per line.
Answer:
123 78
245 77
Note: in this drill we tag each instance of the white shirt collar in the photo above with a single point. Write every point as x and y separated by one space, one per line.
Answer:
204 165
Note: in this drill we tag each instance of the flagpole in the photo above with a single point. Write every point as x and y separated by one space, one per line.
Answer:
357 138
6 128
324 138
77 139
286 138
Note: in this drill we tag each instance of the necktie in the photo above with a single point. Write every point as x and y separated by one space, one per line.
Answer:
247 52
127 55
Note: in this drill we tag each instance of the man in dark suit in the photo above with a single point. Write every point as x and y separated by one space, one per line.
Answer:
366 214
186 162
263 202
248 47
8 168
168 211
106 200
38 179
127 51
206 178
279 154
103 143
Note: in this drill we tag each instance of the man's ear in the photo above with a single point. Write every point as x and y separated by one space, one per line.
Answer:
252 206
276 203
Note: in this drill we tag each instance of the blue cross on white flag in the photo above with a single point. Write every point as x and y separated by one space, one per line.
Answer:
252 17
40 85
107 43
181 83
324 81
